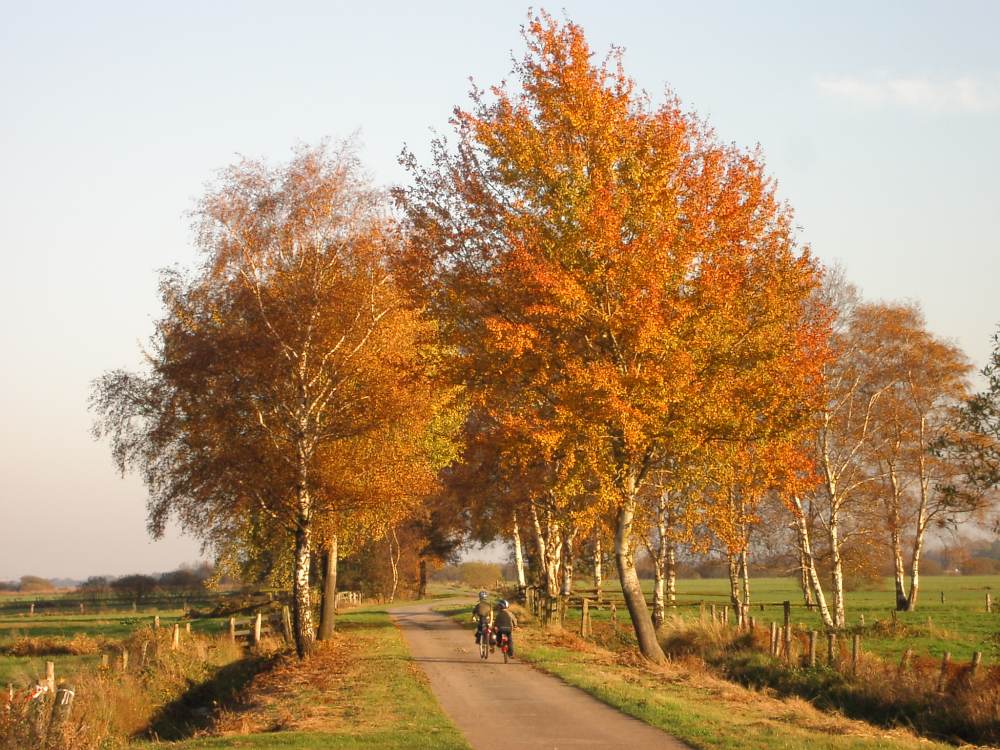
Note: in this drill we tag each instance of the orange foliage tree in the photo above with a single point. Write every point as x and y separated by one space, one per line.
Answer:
613 276
290 342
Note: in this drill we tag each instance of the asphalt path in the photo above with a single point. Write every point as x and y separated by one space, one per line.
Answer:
501 706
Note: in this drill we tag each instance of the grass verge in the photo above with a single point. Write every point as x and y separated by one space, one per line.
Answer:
705 711
359 690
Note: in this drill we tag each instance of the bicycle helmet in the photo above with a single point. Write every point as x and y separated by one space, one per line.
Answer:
502 604
482 595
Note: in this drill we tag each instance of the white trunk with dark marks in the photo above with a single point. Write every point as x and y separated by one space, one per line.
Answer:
519 558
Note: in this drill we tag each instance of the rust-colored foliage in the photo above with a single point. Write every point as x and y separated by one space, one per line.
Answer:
288 391
619 286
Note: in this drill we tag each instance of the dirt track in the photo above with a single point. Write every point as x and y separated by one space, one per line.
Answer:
501 706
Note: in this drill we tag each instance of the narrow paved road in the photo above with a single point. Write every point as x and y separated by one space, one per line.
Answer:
501 706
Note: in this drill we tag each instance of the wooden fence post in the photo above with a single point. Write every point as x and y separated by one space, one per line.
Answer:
725 617
942 597
187 628
773 649
943 679
142 653
904 662
977 659
124 660
753 624
105 661
60 713
855 652
715 616
787 606
81 608
831 648
50 676
989 602
232 629
31 610
812 649
861 619
584 617
156 622
701 611
175 640
256 629
614 616
788 643
135 606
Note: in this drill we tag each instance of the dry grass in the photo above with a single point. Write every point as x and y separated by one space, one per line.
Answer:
966 708
298 695
80 644
112 705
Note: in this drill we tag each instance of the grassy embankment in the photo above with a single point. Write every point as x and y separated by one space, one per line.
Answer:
692 700
359 691
703 710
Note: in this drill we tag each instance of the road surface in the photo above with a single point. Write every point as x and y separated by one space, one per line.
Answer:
501 706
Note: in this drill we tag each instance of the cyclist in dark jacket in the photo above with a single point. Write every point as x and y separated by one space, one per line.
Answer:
505 622
482 615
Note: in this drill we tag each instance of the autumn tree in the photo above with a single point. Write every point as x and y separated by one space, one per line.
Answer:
289 341
930 382
630 284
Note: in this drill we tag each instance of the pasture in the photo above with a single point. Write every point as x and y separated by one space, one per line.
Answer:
960 624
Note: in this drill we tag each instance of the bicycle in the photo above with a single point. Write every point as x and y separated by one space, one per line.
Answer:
503 641
484 646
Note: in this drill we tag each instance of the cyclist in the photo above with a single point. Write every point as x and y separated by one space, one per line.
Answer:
482 615
505 622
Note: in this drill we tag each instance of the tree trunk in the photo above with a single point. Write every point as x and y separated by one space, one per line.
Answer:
894 535
918 539
659 614
734 580
659 560
745 574
394 553
422 579
837 569
328 608
812 577
519 560
598 568
569 561
898 574
645 633
550 550
301 602
670 573
804 582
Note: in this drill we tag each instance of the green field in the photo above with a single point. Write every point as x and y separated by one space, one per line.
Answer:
961 625
107 627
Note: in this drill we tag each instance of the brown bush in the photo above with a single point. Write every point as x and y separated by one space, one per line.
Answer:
79 645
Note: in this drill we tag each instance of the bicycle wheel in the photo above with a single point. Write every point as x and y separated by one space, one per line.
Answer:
505 657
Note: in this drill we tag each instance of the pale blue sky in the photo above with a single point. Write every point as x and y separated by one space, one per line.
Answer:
880 121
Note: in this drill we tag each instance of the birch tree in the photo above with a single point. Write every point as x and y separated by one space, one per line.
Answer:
290 339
